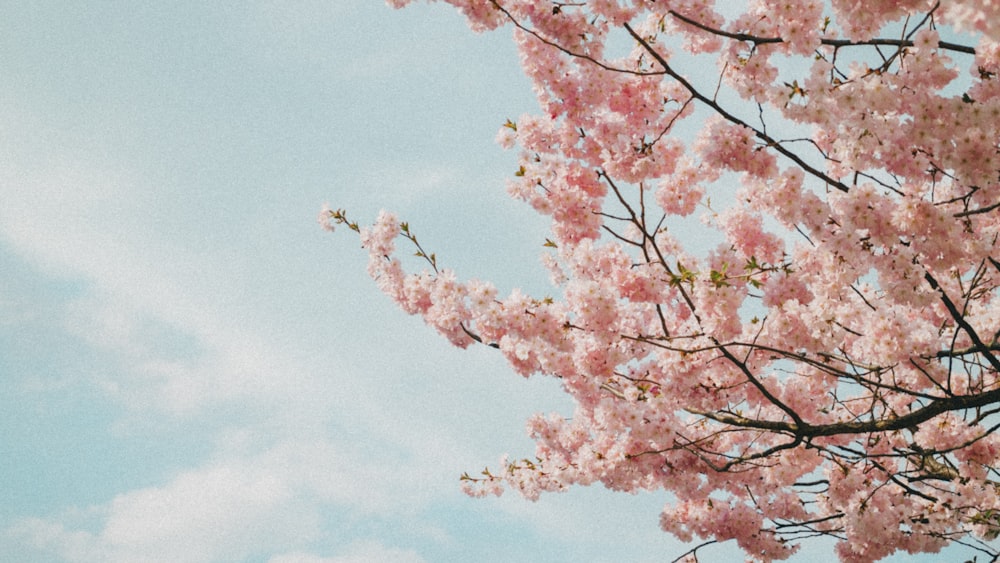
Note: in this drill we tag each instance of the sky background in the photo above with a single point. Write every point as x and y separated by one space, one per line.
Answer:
192 370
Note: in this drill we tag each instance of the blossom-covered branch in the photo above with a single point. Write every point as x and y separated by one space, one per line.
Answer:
830 367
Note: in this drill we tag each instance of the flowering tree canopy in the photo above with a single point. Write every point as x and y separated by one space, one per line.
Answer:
832 367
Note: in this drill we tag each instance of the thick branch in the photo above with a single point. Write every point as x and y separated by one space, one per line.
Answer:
838 43
915 418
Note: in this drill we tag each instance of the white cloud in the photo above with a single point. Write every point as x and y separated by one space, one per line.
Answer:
303 431
215 513
175 363
76 546
358 552
245 502
295 429
223 511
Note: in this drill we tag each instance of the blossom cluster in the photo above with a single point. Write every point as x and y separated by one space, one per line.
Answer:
831 368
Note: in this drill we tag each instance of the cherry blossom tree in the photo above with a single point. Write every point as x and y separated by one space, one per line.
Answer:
832 367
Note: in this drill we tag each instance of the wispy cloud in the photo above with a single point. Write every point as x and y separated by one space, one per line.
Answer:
290 440
307 420
271 501
359 552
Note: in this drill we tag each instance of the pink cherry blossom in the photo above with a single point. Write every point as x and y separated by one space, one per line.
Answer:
832 366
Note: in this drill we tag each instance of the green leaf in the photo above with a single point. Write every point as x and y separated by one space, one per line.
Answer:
718 278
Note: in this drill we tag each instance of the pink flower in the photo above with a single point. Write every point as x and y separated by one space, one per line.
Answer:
805 359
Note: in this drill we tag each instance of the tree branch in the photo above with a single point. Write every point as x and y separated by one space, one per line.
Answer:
837 43
767 139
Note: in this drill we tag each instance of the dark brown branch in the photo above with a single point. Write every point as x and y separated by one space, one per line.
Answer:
980 210
574 54
995 347
836 43
769 141
694 551
476 337
914 418
964 324
762 388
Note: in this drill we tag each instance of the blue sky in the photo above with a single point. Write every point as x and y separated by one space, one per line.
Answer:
193 370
